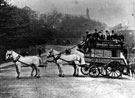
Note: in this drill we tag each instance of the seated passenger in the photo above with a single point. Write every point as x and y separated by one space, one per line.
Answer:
108 36
101 35
121 37
87 35
114 36
82 42
95 35
121 40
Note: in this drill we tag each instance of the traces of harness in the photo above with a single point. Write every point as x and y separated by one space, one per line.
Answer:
17 58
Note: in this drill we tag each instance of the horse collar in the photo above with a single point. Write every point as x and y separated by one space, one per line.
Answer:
58 57
17 58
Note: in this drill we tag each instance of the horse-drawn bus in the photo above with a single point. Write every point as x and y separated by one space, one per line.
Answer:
105 58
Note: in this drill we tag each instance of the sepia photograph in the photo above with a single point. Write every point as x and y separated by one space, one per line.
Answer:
67 48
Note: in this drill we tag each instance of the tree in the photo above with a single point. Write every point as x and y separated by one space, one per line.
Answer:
13 20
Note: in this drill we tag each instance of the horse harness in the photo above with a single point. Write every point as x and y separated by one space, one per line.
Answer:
58 57
17 60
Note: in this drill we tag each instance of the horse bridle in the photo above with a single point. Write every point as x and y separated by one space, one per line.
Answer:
10 54
17 58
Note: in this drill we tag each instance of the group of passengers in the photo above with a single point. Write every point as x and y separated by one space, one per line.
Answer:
91 39
101 35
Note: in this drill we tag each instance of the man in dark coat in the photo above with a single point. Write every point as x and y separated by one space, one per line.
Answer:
108 36
96 35
121 37
114 36
39 52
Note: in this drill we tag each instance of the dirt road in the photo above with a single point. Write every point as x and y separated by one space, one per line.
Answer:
52 86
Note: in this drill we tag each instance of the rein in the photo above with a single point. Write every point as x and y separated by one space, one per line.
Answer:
23 63
17 60
59 54
58 57
64 60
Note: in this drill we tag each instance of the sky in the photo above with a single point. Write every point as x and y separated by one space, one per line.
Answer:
111 12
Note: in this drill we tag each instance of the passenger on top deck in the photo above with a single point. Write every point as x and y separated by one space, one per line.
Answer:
101 35
88 41
95 35
85 42
82 42
87 35
114 36
108 36
95 38
121 37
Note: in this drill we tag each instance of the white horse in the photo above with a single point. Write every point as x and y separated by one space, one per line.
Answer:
132 67
61 59
27 61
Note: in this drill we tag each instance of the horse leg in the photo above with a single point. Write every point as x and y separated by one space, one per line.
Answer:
38 76
133 72
34 67
60 70
130 72
32 71
18 70
37 71
77 70
74 74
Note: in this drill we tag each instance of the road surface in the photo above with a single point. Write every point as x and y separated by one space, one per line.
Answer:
52 86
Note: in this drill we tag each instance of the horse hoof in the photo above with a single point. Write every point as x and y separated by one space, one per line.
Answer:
75 75
61 75
35 76
18 77
38 76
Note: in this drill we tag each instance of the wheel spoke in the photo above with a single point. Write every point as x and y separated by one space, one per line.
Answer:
112 74
113 69
94 71
117 74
